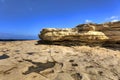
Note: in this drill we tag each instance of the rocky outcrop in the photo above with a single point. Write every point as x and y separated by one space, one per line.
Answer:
87 33
110 29
23 60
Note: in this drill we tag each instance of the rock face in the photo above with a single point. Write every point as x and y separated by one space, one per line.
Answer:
23 60
88 33
110 29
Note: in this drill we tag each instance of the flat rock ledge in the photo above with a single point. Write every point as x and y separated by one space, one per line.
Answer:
103 34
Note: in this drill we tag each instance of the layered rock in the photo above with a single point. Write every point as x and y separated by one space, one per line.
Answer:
88 33
110 29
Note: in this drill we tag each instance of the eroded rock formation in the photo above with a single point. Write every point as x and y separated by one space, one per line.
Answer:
87 33
23 60
110 29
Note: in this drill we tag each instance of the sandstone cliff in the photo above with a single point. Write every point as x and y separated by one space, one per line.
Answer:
84 33
110 29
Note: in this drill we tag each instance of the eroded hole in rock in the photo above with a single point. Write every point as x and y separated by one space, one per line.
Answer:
100 73
17 50
4 56
20 61
77 76
74 64
71 60
30 53
90 66
39 67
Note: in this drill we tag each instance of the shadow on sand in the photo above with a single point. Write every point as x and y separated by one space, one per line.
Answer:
108 45
39 66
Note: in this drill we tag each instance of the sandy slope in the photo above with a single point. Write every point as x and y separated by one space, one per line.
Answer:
24 60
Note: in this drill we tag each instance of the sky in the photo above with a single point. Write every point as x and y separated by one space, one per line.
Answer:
28 17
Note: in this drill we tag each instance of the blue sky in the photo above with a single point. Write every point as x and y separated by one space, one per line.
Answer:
28 17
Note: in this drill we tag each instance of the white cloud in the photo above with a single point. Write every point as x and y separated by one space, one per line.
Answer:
112 19
115 20
88 21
